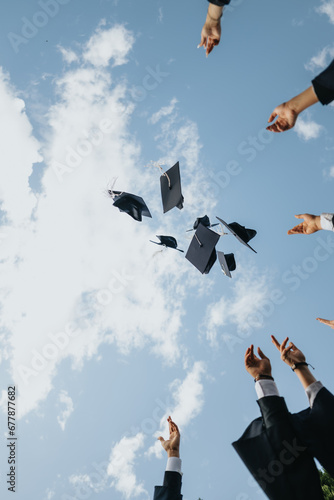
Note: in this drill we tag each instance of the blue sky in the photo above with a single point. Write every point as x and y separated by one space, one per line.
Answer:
102 335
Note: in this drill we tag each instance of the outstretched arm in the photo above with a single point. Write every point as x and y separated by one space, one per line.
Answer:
294 358
211 31
287 113
329 322
313 223
171 445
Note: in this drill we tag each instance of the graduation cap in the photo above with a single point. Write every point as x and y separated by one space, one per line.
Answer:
167 241
202 250
243 234
170 183
131 204
227 263
202 220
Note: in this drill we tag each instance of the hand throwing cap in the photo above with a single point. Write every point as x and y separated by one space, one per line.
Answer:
227 263
133 205
171 194
202 250
167 241
243 234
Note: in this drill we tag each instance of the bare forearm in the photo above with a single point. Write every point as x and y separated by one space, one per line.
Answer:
305 376
214 13
303 100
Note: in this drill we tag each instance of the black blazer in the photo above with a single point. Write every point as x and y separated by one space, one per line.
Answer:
323 85
171 489
276 456
220 3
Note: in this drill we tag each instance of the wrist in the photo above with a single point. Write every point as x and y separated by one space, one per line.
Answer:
214 14
317 221
173 453
263 376
301 366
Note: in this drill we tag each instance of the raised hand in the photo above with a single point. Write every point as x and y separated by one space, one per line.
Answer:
210 36
255 365
310 225
291 354
329 322
171 445
286 118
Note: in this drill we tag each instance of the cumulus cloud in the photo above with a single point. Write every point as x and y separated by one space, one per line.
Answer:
249 294
65 414
321 60
121 466
106 44
327 7
188 396
164 111
19 151
69 55
71 275
85 481
307 130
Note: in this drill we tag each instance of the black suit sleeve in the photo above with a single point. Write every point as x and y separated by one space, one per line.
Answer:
171 489
220 3
323 85
276 458
315 428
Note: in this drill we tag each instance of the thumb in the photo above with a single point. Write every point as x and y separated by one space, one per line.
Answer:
300 216
161 439
262 355
203 42
272 116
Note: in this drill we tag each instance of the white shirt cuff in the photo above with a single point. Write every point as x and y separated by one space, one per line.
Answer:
312 391
326 221
266 388
174 464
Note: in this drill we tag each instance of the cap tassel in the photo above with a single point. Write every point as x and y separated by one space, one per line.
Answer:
157 165
200 244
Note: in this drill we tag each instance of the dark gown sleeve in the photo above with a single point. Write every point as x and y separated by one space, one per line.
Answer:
171 489
323 85
220 3
277 459
315 427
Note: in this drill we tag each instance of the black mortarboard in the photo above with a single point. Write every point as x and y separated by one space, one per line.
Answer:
171 194
167 241
202 252
227 262
243 234
202 220
133 205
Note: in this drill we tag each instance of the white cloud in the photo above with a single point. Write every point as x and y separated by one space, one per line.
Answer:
69 55
49 494
74 261
307 130
327 7
114 43
248 295
19 151
329 172
188 398
160 15
321 60
121 466
85 482
65 399
165 111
